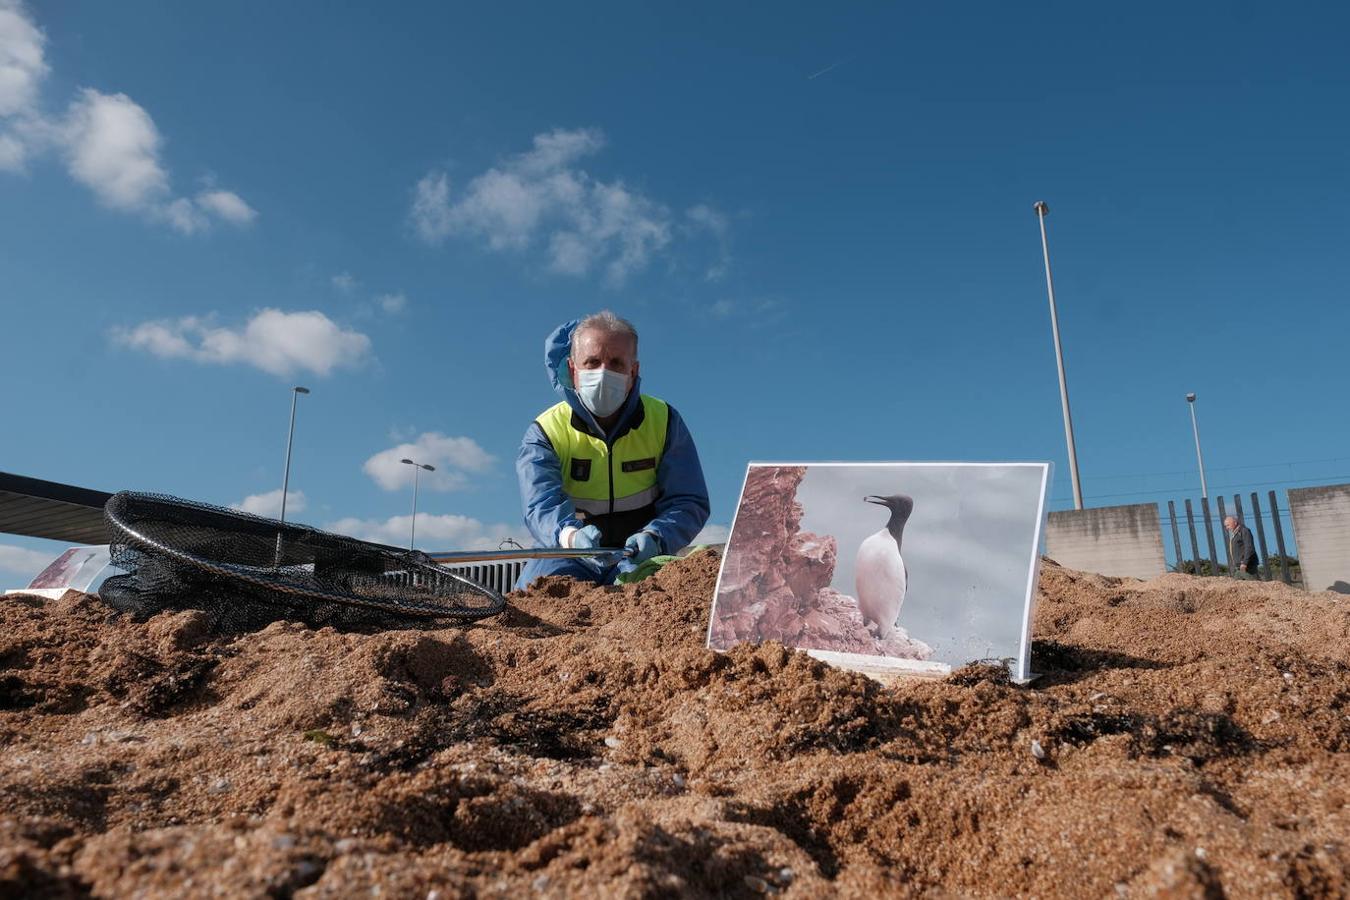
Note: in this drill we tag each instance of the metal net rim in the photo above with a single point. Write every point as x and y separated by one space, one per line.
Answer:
116 508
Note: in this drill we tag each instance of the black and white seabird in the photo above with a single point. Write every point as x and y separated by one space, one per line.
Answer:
879 573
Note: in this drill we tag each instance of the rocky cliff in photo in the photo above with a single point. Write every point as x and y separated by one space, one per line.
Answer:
776 579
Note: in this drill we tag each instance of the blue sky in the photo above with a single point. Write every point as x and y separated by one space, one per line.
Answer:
200 207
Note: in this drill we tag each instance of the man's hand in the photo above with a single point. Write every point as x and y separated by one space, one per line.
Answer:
583 538
641 547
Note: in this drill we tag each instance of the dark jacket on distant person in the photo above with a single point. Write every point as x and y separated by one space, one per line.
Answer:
1243 548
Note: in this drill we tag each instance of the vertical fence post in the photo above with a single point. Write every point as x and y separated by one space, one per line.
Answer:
1279 540
1227 546
1176 536
1209 536
1237 512
1195 548
1261 537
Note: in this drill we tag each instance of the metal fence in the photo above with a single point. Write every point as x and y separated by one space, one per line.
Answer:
499 576
1281 566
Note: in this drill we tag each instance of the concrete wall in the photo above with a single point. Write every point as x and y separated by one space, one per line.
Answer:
1322 529
1111 540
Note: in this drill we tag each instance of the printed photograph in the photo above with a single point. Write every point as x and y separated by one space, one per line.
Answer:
911 563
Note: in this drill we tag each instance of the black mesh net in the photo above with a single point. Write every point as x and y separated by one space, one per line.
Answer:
247 570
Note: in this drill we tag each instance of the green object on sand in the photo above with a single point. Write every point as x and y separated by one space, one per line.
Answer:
649 568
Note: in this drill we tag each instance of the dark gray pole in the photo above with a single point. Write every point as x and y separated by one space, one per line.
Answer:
1237 514
1195 548
1261 537
1042 210
1176 536
1227 546
1279 540
1209 536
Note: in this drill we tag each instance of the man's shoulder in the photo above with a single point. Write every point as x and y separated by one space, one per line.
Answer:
537 431
554 410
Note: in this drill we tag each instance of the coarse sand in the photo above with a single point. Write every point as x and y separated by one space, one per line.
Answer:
1188 738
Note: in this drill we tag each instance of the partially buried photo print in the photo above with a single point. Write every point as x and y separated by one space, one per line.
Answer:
916 566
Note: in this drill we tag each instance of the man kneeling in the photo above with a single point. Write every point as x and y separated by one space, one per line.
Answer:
608 466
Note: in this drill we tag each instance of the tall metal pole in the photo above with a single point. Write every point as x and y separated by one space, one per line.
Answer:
412 536
1199 458
1042 210
290 438
286 474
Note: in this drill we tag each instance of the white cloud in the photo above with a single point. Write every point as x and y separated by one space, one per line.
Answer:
761 310
455 458
542 197
431 207
704 218
112 147
712 534
183 215
22 62
392 303
20 562
345 282
12 153
269 504
227 205
109 142
440 532
275 341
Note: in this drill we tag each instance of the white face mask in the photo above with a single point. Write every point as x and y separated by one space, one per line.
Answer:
602 391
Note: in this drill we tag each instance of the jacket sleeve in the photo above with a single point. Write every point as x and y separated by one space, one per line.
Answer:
682 510
547 508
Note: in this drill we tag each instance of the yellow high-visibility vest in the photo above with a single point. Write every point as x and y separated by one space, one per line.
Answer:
614 488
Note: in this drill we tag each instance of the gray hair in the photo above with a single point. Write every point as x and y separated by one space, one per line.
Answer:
605 322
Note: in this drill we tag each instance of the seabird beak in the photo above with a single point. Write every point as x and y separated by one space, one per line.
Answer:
877 500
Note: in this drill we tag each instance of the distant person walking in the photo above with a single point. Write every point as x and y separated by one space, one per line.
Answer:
1241 549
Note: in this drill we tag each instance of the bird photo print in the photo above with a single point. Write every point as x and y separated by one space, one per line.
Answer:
912 566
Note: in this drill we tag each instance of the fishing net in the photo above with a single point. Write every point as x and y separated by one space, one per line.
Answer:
247 570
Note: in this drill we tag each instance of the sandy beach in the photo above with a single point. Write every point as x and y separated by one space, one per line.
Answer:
1187 737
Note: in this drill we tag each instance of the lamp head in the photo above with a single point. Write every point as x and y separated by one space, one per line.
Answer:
300 390
1190 398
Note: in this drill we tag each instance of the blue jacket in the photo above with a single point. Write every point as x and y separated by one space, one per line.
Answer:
682 507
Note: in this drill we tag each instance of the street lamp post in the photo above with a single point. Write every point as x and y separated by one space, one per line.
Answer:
417 467
290 438
1195 429
1042 210
286 474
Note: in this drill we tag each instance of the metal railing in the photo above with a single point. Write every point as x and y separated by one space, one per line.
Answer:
1272 567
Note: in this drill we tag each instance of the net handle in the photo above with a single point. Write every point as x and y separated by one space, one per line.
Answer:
450 557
